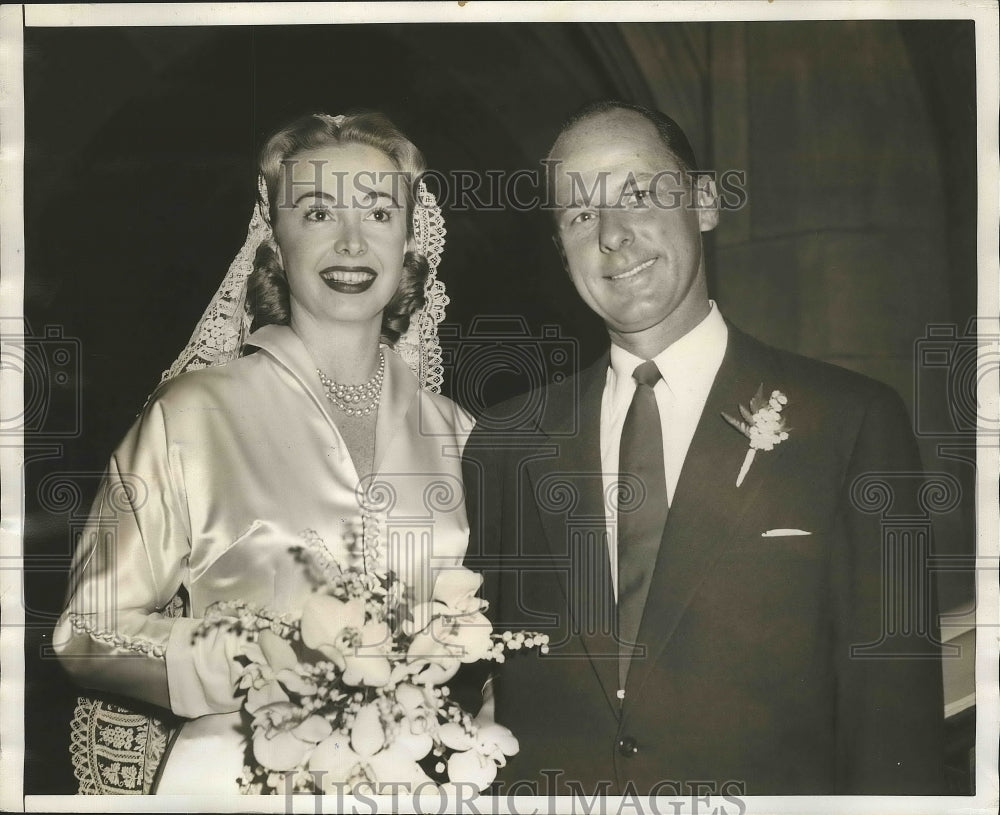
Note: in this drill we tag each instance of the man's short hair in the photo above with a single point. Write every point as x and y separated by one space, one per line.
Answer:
670 132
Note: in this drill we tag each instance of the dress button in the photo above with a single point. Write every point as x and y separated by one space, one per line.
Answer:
628 746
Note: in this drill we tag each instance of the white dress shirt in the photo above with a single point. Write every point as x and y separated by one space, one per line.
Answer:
688 367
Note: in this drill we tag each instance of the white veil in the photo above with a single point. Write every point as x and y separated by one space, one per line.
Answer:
223 329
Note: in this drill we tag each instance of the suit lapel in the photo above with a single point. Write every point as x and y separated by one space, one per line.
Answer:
567 488
708 505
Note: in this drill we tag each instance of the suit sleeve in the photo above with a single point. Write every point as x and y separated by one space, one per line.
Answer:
129 564
890 709
483 495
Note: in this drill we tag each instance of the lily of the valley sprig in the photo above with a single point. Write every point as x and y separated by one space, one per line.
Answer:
762 424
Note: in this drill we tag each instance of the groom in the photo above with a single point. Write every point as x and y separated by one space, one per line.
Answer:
713 589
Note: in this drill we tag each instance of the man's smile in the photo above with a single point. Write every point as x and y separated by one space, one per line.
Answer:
628 273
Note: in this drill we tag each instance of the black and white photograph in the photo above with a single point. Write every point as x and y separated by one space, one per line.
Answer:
500 407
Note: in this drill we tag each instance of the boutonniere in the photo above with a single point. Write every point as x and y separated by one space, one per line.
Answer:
762 423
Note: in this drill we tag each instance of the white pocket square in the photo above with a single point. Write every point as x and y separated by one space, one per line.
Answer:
779 533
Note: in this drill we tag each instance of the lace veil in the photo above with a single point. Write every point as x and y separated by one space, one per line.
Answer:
223 329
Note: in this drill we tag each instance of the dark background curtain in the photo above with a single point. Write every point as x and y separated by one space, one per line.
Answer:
857 237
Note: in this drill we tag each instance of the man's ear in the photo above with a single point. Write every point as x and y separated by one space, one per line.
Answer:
562 252
706 201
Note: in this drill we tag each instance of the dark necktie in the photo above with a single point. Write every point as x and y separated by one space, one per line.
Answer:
641 519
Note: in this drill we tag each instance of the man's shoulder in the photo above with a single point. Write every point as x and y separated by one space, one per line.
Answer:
530 405
816 378
550 409
830 405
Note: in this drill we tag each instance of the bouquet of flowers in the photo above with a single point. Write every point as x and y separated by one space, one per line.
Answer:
352 691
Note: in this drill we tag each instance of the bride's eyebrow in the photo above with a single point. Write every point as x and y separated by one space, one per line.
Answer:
380 194
377 194
315 194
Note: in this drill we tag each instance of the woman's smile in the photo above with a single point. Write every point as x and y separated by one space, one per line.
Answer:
349 279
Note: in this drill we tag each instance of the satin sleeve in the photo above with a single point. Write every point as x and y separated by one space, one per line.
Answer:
130 562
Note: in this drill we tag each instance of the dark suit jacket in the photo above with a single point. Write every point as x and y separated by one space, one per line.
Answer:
776 665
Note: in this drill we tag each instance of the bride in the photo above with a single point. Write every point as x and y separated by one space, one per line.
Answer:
325 417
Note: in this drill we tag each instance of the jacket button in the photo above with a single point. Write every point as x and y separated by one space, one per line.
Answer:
628 746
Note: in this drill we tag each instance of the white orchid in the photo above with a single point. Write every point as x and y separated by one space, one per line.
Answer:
479 754
451 628
274 672
283 738
338 630
367 753
418 725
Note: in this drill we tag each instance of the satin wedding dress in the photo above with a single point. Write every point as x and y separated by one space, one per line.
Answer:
207 494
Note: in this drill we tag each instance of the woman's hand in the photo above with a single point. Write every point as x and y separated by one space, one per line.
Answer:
202 670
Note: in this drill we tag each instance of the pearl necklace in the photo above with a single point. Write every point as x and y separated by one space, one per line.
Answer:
355 400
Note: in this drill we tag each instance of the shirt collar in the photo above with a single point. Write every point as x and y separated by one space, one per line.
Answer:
688 365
